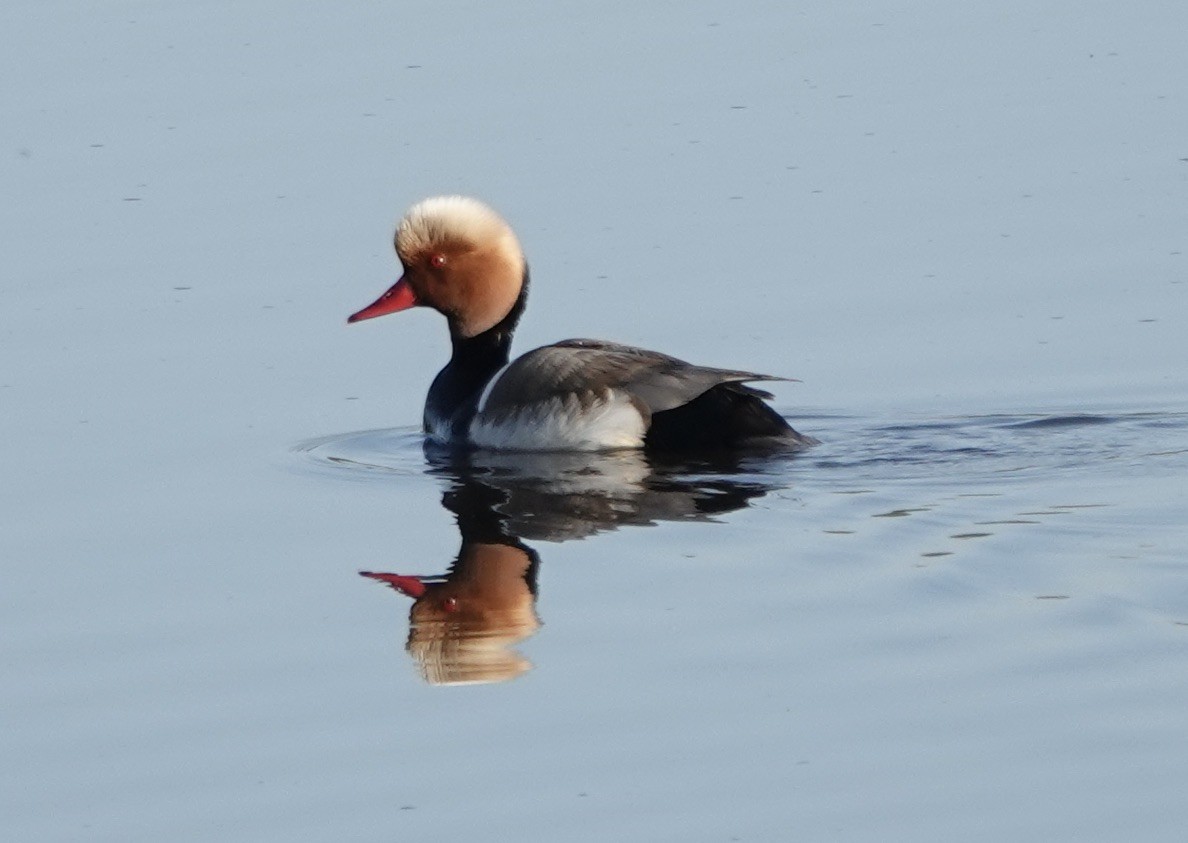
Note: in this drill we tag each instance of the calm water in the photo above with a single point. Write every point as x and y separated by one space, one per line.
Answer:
985 610
917 623
963 616
961 485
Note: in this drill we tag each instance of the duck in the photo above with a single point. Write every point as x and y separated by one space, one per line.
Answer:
462 259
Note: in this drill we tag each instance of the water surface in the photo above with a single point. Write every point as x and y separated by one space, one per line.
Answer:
980 608
961 617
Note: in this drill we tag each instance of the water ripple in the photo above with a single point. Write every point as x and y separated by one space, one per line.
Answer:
962 449
986 446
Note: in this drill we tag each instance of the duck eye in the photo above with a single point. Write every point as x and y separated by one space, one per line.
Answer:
438 260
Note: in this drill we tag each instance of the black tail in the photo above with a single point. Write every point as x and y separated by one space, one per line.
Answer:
730 415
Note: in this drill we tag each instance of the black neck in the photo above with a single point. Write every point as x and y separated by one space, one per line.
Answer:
486 353
474 361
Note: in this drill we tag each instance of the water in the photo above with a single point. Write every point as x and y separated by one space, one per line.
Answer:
962 616
1001 478
961 613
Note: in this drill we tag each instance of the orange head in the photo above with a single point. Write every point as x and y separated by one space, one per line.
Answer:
461 259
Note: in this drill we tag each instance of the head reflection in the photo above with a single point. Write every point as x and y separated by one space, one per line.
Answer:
464 624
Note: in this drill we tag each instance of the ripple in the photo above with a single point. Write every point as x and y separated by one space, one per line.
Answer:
1078 420
976 447
959 449
385 451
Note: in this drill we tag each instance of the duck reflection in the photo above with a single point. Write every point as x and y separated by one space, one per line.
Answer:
464 624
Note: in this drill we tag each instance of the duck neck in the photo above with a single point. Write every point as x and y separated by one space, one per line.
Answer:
454 395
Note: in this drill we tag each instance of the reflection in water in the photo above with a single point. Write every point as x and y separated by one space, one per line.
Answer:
464 624
954 469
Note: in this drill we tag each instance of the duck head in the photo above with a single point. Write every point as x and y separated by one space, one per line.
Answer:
459 258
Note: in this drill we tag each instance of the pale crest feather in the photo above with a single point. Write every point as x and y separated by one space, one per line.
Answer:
442 220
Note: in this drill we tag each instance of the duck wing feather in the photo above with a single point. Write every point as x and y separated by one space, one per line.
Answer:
588 370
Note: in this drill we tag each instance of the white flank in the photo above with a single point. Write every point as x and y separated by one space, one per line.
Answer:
613 421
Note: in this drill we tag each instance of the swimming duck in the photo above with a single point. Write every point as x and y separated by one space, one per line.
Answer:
464 261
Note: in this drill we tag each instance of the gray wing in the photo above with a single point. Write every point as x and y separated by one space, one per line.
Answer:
588 369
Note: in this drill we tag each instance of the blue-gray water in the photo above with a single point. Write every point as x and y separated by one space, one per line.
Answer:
962 616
